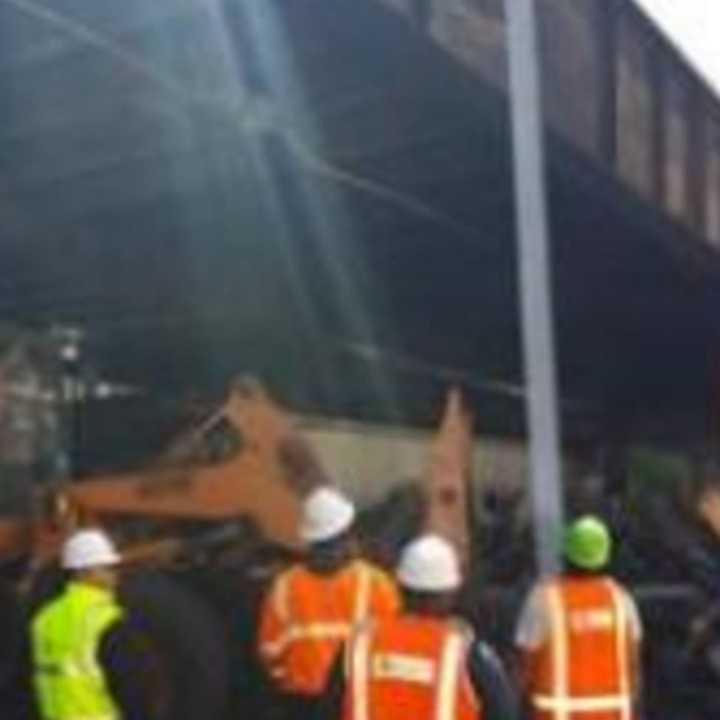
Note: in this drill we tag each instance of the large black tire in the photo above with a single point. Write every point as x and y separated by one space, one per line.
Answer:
16 698
184 638
13 648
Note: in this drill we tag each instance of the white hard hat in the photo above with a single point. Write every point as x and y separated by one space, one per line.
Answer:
327 513
89 548
429 564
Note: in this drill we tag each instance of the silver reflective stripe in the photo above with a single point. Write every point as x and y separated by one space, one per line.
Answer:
93 717
360 661
448 677
69 669
311 631
587 704
47 668
362 597
559 636
347 651
282 604
621 645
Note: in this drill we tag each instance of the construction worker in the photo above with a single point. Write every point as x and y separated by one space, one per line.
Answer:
579 636
313 607
84 668
424 664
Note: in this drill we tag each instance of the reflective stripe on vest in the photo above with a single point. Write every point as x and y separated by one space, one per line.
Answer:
66 634
559 651
595 703
310 631
447 676
360 661
93 717
560 703
621 648
362 593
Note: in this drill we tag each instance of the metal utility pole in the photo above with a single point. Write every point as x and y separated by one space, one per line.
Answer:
535 285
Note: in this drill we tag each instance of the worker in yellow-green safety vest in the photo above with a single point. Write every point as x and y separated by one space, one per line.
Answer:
83 664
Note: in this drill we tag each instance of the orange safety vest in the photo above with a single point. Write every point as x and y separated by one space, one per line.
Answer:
583 670
409 667
307 616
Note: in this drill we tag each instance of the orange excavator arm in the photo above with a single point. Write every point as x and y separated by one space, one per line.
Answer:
447 480
264 481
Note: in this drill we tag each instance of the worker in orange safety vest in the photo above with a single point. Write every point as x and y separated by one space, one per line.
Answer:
579 636
314 606
424 664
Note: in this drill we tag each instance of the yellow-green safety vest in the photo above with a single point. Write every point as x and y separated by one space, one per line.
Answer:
66 634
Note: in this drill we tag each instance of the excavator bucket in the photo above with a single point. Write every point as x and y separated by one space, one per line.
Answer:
447 481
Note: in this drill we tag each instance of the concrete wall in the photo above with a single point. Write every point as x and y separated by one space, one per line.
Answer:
370 460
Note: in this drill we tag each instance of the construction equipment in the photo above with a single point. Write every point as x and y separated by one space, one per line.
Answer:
201 530
245 461
234 484
448 479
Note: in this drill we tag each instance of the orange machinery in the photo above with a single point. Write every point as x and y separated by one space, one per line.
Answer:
246 461
246 465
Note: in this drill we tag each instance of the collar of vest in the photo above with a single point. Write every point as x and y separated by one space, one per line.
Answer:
348 565
90 591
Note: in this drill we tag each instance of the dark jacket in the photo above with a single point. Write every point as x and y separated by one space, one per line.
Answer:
126 670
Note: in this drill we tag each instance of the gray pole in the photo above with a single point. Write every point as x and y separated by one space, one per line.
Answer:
534 277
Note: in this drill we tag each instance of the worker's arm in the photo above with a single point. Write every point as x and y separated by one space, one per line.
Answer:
492 684
272 633
125 670
635 638
530 635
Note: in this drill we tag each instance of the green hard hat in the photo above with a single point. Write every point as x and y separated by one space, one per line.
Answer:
588 543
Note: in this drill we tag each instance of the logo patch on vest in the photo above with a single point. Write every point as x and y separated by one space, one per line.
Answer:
410 668
583 621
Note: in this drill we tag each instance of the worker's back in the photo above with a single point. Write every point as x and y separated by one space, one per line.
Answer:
579 636
308 615
581 665
410 666
66 635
